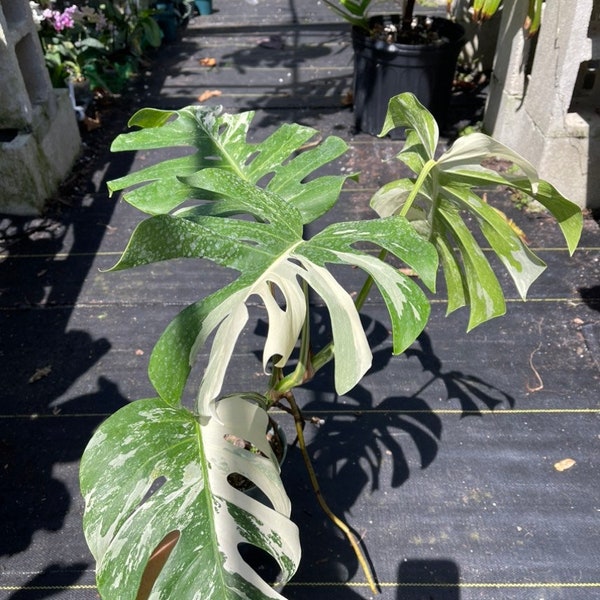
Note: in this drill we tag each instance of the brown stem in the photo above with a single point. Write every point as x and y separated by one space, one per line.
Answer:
407 17
299 422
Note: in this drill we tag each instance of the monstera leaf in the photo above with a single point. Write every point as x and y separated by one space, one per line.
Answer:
220 141
271 254
274 181
437 201
152 469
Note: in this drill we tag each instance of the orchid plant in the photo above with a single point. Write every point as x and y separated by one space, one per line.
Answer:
101 43
157 470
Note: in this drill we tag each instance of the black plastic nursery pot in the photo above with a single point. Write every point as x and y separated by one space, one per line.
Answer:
383 70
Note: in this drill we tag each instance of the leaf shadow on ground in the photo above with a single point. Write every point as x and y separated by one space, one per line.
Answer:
290 56
51 403
367 445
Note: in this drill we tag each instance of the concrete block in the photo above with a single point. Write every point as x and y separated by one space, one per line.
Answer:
551 115
34 162
39 135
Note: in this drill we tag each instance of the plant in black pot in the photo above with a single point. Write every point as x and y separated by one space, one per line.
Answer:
399 52
161 477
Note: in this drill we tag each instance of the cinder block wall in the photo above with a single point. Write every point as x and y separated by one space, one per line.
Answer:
548 108
39 136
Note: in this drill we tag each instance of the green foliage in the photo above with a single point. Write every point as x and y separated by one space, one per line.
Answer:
352 11
244 206
269 252
438 200
102 42
485 9
169 473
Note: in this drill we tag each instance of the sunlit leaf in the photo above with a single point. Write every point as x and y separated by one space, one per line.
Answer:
216 140
152 469
440 201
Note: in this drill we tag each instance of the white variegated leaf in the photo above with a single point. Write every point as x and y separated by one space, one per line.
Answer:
152 469
439 200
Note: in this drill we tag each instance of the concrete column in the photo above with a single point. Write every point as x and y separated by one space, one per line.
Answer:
39 135
548 108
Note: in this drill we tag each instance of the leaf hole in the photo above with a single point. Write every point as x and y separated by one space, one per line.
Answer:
156 563
251 157
156 485
240 482
278 295
261 561
264 181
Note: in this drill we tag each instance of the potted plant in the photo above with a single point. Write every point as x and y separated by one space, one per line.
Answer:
158 472
485 9
399 52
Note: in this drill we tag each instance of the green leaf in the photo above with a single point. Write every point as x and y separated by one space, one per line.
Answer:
353 11
521 263
451 268
568 214
152 469
439 202
471 150
174 354
389 199
407 305
273 257
165 237
220 141
422 133
393 234
484 294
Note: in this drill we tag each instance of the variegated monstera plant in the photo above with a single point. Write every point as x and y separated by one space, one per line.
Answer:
157 470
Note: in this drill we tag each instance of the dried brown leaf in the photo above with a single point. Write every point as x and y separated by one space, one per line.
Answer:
563 465
204 96
208 62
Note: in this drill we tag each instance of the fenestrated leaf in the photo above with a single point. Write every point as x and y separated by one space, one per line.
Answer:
407 305
394 234
427 203
165 237
451 268
464 160
484 294
220 141
521 263
152 469
278 257
471 150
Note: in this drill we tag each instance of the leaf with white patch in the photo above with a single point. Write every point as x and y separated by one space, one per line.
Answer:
439 202
219 140
152 469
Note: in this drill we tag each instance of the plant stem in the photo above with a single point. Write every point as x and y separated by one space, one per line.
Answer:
407 17
299 423
418 185
304 369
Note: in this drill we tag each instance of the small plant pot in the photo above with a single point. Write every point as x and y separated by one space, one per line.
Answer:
204 6
382 70
168 21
